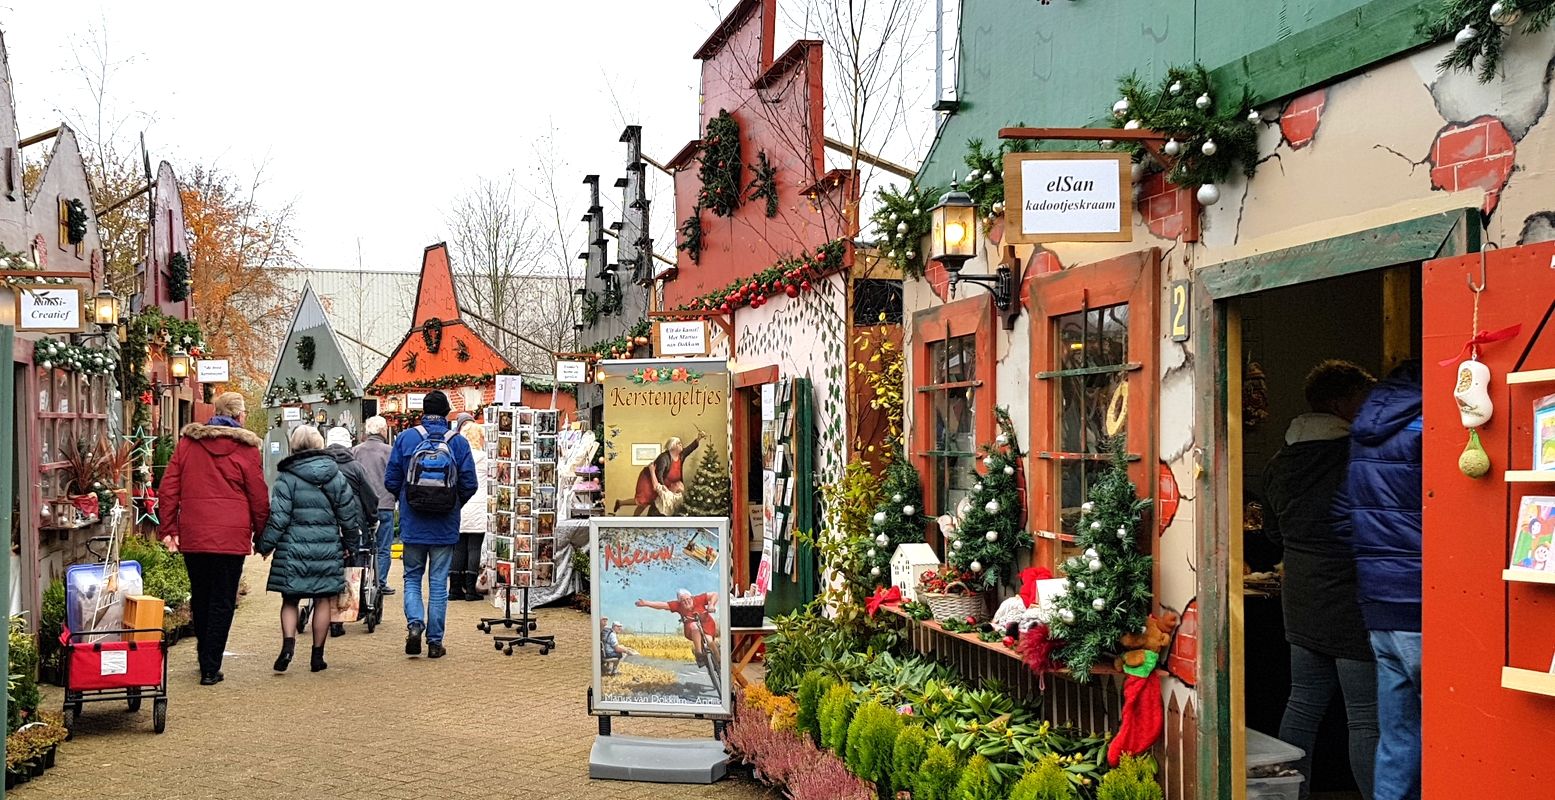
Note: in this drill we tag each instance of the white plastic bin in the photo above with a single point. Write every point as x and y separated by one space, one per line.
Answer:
1264 750
1285 787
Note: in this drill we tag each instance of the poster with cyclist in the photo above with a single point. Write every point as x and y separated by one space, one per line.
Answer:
661 614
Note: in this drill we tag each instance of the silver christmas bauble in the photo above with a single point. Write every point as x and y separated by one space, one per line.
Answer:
908 511
896 498
1096 525
971 176
956 544
1066 615
1254 117
874 572
1131 125
879 517
992 507
1002 438
1466 35
1098 604
1504 14
988 176
1209 147
988 461
1090 552
1094 566
1209 194
1087 506
1120 108
1106 143
992 536
1202 102
1172 147
871 553
1008 470
977 487
901 227
975 566
1079 585
1122 532
882 540
914 253
1175 88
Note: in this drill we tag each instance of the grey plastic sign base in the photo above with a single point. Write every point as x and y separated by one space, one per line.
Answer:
636 758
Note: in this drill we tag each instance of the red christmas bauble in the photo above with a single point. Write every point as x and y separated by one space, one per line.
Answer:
805 286
791 290
724 308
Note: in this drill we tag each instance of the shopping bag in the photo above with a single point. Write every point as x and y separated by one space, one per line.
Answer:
348 604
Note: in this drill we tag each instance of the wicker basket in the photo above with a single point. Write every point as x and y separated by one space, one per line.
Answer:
954 606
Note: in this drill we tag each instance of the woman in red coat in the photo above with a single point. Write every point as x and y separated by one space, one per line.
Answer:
661 484
214 503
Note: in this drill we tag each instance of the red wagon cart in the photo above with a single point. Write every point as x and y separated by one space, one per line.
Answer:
110 670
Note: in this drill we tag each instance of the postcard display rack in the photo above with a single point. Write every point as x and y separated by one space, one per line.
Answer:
521 453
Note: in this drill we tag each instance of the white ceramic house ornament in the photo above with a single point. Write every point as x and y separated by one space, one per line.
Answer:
1472 391
908 562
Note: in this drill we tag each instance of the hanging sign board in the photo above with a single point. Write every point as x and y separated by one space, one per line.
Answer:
49 309
681 407
291 414
213 370
415 400
1067 197
510 390
680 338
572 372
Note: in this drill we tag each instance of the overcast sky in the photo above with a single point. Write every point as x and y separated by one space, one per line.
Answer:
369 119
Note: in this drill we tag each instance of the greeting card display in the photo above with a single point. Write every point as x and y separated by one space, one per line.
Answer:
1534 538
522 448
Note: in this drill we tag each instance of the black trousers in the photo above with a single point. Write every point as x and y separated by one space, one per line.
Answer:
467 553
213 597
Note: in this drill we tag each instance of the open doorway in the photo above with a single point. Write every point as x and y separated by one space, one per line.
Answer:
1367 320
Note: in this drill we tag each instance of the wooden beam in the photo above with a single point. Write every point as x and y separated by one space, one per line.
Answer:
362 344
871 159
39 137
1397 317
115 205
510 332
43 273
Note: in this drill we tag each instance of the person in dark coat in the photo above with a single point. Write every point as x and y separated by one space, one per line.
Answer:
310 505
214 502
1329 650
1378 513
338 445
373 455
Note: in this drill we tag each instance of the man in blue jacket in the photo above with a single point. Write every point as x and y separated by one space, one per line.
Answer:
429 538
1379 512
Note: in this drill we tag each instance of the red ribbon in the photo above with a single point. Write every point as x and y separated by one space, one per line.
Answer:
1483 337
883 598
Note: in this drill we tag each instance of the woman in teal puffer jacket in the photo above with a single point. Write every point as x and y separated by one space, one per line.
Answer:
311 505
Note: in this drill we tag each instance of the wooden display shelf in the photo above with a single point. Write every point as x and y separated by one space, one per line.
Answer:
977 641
1527 576
1531 376
1528 680
1530 476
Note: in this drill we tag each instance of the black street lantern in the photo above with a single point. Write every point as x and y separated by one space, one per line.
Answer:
955 230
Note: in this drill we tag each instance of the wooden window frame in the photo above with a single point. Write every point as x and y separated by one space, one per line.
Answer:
78 422
1134 279
973 316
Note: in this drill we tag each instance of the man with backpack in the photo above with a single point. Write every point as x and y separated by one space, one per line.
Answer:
433 475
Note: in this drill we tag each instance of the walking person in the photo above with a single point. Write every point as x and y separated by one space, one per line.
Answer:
472 518
373 456
214 503
310 505
432 474
1329 649
338 445
1379 512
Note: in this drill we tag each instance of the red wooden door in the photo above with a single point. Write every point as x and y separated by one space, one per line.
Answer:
1480 738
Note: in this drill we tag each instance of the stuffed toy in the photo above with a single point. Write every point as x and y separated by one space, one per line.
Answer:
1142 714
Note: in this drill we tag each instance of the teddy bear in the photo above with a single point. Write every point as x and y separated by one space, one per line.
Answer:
1141 717
1153 639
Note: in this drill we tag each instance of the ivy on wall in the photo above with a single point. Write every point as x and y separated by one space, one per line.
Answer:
721 166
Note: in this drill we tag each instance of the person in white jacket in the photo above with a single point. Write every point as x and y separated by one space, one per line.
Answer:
472 518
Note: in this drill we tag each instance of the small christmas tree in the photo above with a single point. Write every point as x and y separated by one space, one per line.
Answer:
1109 583
709 494
898 519
994 527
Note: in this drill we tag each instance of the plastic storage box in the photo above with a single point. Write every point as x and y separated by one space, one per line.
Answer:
1284 787
1264 750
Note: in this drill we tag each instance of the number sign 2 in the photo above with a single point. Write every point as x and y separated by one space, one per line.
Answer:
1181 312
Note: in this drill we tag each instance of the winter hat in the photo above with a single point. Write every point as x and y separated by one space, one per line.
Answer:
338 435
435 404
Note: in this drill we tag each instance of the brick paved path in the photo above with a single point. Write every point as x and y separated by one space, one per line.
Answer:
376 724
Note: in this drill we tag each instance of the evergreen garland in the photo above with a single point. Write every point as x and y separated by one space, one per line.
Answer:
453 381
994 507
432 334
75 221
898 519
985 175
721 166
55 354
179 278
1109 590
1479 29
461 350
790 276
764 185
306 353
709 494
1174 110
623 345
691 236
903 220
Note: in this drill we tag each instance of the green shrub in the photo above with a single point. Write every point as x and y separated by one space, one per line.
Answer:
937 779
907 755
836 712
977 781
812 688
1132 779
51 623
163 573
1045 781
871 736
22 681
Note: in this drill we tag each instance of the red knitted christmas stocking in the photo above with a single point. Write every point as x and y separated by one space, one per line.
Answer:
1143 718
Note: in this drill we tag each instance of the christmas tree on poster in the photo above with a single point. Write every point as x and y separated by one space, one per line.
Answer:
993 529
897 520
1109 582
709 494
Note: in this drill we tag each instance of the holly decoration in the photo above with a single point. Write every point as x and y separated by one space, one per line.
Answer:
87 360
721 166
1210 137
994 508
709 493
75 221
897 520
764 185
1479 30
306 351
903 220
1109 582
432 334
984 179
790 276
691 236
179 278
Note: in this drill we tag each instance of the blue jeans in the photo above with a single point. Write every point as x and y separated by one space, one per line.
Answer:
1398 710
432 561
385 541
1314 677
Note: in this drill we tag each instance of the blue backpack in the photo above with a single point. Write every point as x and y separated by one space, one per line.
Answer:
432 479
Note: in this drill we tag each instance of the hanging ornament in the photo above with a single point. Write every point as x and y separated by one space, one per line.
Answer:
882 540
992 507
1131 125
1122 531
914 253
1209 194
1202 102
908 511
1086 507
1090 552
975 566
977 487
1099 604
1009 470
1209 147
874 572
1080 585
1172 147
1473 394
972 176
1504 14
1474 462
956 544
901 227
1254 117
988 176
1120 108
1095 526
1002 438
1106 143
896 498
1466 35
1175 88
1094 565
1066 615
870 554
879 517
988 461
991 536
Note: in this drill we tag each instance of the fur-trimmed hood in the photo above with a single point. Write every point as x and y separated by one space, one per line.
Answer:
212 434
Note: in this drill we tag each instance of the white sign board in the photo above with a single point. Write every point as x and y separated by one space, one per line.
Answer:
768 402
212 370
510 390
53 309
571 372
291 414
415 400
685 338
1068 197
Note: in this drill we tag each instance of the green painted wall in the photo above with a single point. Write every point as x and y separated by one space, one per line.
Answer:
1058 65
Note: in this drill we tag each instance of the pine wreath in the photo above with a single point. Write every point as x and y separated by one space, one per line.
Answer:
721 166
691 236
764 185
903 219
1479 29
75 221
432 334
461 350
305 353
1209 141
179 278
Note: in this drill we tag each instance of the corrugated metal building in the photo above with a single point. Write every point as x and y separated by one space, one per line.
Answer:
365 307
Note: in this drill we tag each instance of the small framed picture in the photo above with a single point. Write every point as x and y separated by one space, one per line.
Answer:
524 561
545 573
524 471
526 436
524 506
504 448
522 579
502 547
545 501
524 489
545 523
505 572
504 421
523 544
545 422
504 523
526 417
545 449
526 453
504 498
545 549
524 525
504 472
546 474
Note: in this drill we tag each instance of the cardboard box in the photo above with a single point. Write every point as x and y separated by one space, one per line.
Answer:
143 611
